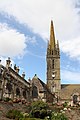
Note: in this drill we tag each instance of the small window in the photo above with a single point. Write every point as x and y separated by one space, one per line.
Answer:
35 92
52 64
52 52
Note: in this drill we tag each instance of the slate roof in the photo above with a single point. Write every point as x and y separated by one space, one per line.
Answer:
67 90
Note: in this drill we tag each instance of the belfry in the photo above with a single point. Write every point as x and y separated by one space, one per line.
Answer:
53 63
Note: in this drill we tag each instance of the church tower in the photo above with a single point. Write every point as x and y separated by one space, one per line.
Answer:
53 63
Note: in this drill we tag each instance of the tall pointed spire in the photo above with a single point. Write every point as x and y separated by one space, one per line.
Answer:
57 44
52 36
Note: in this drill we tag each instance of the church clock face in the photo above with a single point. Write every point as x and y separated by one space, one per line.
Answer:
53 76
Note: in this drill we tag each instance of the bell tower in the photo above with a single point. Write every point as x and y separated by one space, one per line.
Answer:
53 63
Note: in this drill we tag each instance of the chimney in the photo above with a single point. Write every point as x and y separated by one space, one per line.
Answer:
8 62
23 75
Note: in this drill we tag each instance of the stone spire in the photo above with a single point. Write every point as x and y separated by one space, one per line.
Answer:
52 37
57 44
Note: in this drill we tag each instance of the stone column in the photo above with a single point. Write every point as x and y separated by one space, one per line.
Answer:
21 93
3 87
15 91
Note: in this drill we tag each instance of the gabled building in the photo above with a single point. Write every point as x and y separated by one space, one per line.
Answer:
40 91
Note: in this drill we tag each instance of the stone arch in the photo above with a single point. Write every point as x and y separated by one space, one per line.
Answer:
35 92
9 86
17 91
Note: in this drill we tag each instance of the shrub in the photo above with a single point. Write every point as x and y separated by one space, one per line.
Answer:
65 104
30 119
7 99
26 115
58 116
28 107
39 109
14 114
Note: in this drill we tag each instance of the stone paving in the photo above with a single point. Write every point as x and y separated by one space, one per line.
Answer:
73 114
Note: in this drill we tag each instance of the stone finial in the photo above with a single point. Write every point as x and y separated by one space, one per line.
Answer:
35 76
8 61
29 80
23 74
17 69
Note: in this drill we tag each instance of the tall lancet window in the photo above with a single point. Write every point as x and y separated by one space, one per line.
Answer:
52 52
52 64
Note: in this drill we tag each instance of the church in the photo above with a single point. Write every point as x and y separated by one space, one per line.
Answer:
59 92
14 86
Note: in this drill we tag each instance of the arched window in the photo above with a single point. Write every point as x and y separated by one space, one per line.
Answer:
17 91
35 92
75 99
9 87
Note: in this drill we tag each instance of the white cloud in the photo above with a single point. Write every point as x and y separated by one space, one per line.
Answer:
31 40
72 47
70 77
12 43
38 13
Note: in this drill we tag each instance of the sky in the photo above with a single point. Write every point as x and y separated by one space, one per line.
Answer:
25 31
